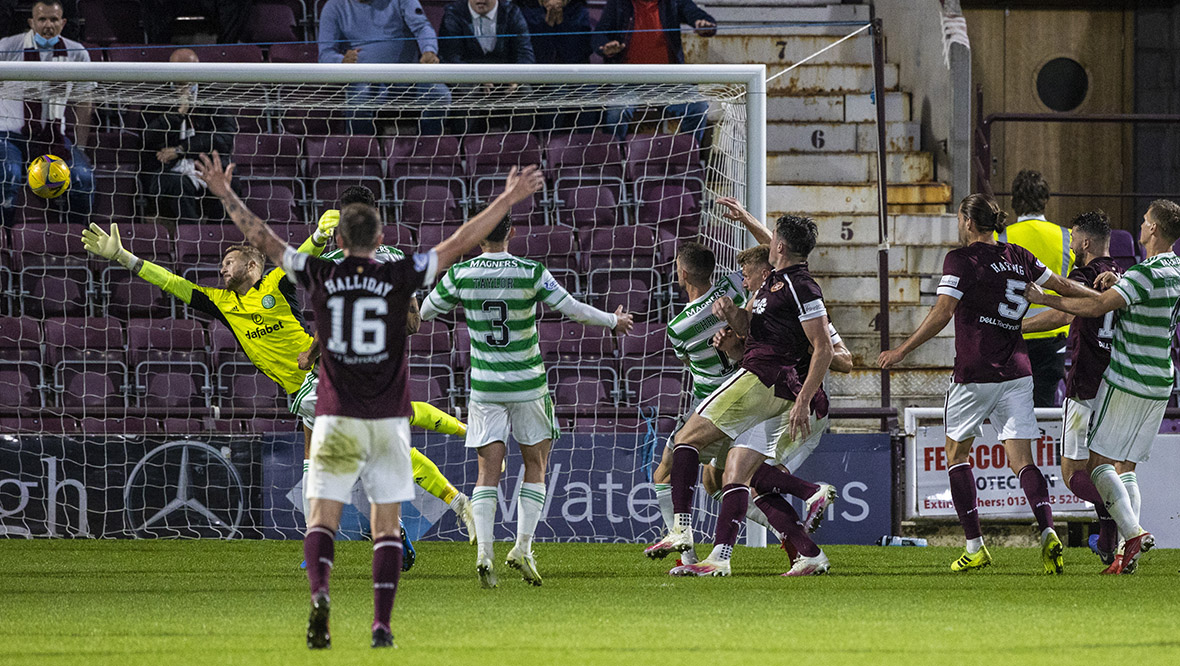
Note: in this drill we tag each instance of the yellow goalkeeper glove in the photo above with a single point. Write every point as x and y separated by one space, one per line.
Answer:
98 242
325 227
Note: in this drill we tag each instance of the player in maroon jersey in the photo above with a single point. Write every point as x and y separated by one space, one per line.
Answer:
362 417
982 287
786 318
1088 347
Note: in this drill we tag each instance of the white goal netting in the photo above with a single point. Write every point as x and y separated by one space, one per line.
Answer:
129 411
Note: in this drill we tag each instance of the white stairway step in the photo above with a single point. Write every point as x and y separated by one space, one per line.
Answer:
809 78
772 47
841 137
860 318
920 230
847 167
767 11
815 199
850 108
845 289
862 260
864 385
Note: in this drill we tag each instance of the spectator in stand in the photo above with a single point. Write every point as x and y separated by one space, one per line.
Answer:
14 20
34 119
647 32
559 31
476 32
383 31
159 17
173 138
1048 242
560 34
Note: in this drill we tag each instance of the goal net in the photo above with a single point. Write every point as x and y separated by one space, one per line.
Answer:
129 411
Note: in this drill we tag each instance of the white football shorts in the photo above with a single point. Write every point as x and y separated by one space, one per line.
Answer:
375 450
1075 428
1009 406
303 401
1124 425
530 422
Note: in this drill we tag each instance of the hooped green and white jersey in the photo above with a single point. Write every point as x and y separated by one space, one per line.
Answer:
384 254
691 333
499 294
1140 358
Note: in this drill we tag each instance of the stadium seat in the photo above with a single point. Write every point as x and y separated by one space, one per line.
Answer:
432 384
273 201
400 236
40 424
587 175
660 155
1122 248
631 292
461 355
119 425
169 363
111 21
229 53
431 345
607 423
51 269
661 388
553 247
490 156
582 390
646 344
675 208
270 23
136 51
569 341
267 156
586 206
425 200
620 247
423 156
114 197
335 163
297 53
117 150
20 391
426 172
200 245
86 362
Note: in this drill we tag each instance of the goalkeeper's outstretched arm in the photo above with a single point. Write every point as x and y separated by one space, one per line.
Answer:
109 246
217 179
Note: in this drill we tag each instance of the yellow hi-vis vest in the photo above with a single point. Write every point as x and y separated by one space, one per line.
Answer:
1048 242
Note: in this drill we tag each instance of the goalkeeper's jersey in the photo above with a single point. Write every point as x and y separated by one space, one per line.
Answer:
499 294
691 334
267 323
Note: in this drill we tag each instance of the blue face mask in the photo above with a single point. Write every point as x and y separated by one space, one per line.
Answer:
43 43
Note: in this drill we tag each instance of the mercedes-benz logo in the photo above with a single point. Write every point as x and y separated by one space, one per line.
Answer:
180 489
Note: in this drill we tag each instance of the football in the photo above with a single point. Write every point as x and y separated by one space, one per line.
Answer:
49 176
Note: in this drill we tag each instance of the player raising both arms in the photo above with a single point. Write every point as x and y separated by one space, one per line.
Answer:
982 287
363 411
509 393
787 316
1138 381
1088 346
426 473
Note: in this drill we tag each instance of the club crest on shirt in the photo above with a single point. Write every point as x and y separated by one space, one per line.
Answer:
268 301
777 286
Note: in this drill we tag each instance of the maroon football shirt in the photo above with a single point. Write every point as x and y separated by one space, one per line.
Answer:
1089 337
776 343
988 280
360 310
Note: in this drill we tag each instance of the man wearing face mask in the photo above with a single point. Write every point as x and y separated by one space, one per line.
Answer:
383 31
172 139
37 118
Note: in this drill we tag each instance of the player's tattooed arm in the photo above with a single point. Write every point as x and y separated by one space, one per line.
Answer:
217 178
413 317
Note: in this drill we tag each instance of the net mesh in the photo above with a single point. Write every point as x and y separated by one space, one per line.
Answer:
128 411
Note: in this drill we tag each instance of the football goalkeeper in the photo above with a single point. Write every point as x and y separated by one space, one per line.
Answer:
264 315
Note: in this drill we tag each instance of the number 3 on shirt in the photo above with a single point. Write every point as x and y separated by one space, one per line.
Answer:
368 332
1015 295
499 322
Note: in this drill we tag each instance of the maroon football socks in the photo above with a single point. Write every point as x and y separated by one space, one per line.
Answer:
963 495
387 570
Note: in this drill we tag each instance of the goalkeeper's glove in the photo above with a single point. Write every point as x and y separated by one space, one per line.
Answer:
96 241
326 226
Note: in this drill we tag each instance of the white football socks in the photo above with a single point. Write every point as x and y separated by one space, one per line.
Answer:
529 507
1131 483
664 497
483 507
306 499
973 545
1117 501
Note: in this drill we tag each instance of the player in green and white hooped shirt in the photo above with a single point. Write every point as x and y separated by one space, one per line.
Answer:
509 394
1138 382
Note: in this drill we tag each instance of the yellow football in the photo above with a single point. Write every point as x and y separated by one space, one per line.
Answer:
49 176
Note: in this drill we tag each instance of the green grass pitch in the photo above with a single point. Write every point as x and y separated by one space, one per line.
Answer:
212 602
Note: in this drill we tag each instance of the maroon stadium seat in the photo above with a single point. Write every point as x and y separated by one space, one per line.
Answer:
431 345
229 53
298 53
400 236
587 206
270 156
659 389
620 247
646 344
675 208
582 156
431 383
271 22
335 163
569 341
86 362
427 201
136 51
117 150
553 247
423 156
493 154
169 363
272 201
658 155
582 390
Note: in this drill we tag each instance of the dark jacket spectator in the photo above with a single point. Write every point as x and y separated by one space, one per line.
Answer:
618 24
566 42
459 43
